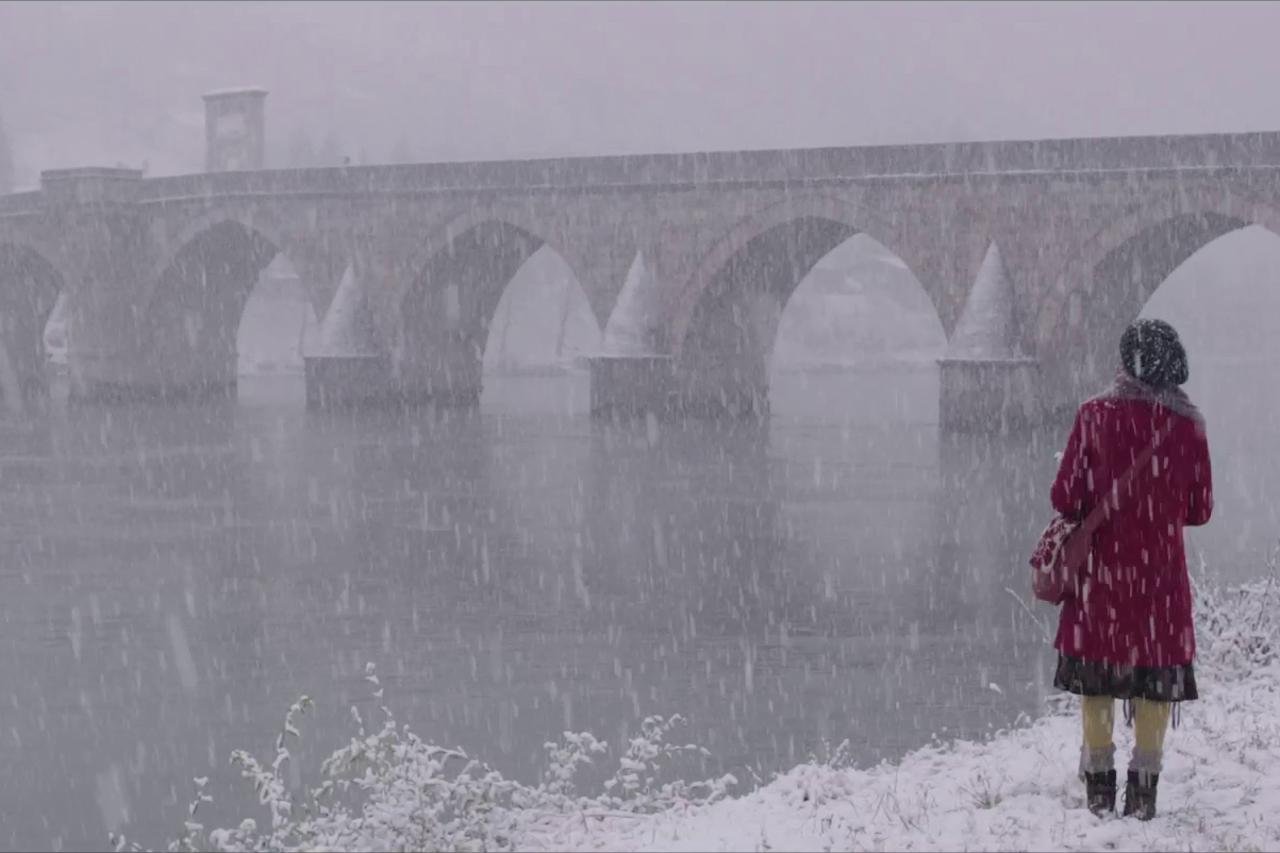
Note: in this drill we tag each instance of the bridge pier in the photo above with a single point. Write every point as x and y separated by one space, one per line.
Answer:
987 384
349 368
632 385
988 395
345 381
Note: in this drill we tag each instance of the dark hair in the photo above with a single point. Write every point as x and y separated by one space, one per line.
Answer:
1151 352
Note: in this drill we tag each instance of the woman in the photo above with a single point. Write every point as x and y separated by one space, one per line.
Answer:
1127 633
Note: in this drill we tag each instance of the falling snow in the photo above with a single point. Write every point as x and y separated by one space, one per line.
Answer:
658 501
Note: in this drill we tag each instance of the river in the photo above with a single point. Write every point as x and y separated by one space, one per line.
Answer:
173 577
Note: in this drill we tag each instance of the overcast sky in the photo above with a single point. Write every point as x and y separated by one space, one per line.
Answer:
120 82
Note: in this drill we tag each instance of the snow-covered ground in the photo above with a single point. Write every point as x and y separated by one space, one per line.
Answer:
1219 791
1016 791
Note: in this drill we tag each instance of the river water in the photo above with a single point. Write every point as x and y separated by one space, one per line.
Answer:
172 578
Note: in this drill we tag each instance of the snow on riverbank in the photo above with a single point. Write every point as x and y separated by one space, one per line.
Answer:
1220 789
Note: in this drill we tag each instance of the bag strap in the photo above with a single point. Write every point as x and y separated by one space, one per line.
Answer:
1121 484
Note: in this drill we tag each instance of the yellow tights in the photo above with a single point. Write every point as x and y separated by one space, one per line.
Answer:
1150 722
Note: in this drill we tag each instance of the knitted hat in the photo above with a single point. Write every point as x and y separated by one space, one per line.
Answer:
1151 352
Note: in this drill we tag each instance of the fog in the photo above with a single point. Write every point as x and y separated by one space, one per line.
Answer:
85 83
772 529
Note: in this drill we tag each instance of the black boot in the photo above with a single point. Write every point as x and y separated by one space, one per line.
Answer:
1140 795
1100 792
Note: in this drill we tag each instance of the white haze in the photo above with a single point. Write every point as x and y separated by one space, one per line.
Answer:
105 82
108 83
180 574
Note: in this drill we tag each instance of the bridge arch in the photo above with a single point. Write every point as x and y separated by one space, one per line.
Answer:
274 232
191 315
845 219
1107 282
440 240
43 244
447 305
30 285
728 314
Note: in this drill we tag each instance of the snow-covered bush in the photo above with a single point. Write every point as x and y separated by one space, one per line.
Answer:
1236 627
391 790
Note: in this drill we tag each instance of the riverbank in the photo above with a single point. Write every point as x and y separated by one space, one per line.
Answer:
1219 791
1016 791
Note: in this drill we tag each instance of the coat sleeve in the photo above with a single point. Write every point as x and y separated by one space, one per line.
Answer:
1200 493
1071 488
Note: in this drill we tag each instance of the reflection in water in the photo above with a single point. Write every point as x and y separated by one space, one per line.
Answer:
175 577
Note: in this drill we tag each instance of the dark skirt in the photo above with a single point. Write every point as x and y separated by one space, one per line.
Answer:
1099 678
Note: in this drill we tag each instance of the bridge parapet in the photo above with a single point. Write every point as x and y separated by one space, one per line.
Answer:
92 185
21 203
933 161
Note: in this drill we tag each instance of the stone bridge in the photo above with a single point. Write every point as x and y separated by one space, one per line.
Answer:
1034 254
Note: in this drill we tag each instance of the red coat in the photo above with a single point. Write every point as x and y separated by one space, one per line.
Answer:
1134 604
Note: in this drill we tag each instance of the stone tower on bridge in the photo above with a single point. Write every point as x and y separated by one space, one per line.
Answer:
235 130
